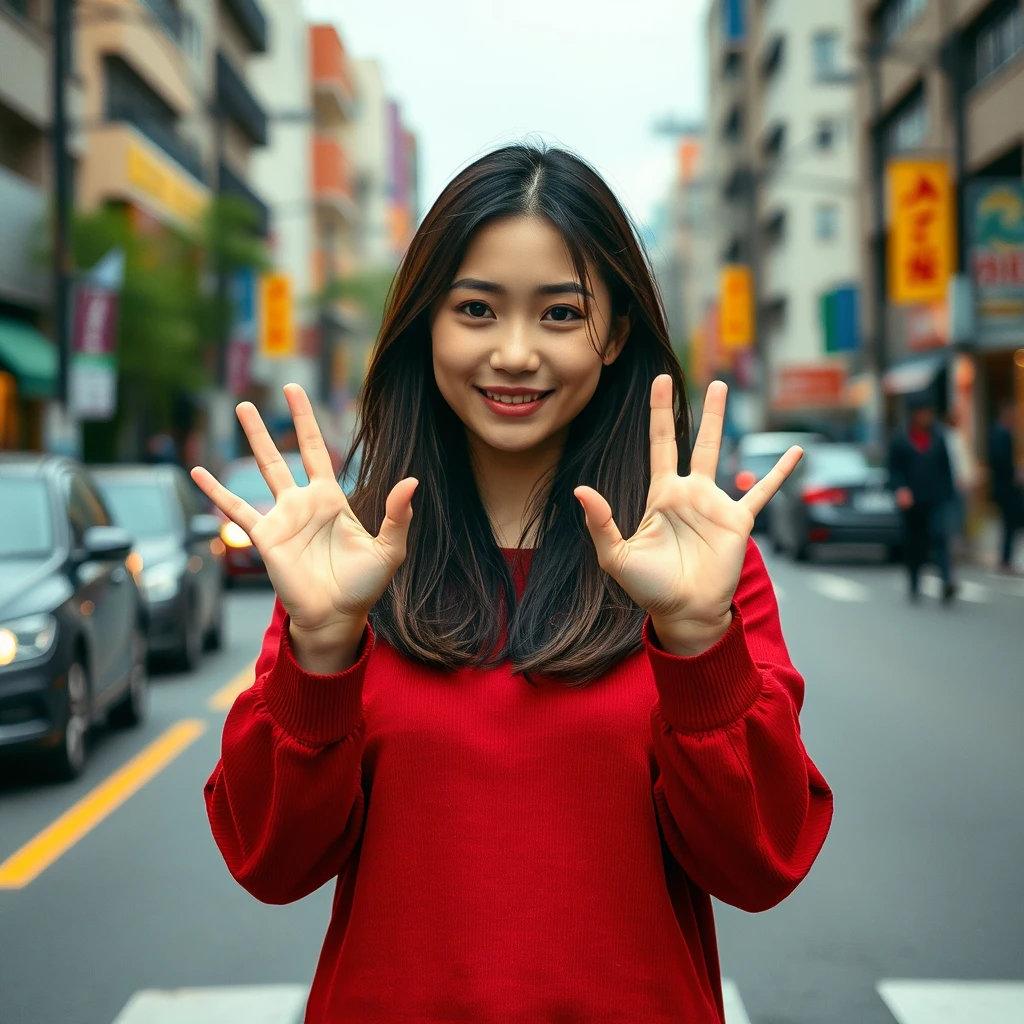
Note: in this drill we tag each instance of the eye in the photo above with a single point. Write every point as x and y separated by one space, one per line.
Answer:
472 309
565 314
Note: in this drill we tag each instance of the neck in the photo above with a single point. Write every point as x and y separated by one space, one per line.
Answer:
507 481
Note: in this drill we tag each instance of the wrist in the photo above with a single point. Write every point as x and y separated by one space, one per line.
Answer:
687 638
327 649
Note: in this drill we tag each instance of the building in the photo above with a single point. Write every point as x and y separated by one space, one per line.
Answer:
950 87
28 360
780 166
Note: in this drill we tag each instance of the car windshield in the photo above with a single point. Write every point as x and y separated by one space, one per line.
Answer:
247 481
141 506
759 465
835 463
26 526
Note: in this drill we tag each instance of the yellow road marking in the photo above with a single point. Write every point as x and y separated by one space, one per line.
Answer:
28 863
225 696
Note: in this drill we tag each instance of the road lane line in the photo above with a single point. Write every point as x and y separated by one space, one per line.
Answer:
735 1013
253 1004
954 1002
28 863
838 588
225 696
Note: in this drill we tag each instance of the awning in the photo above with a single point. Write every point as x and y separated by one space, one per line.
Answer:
914 375
30 356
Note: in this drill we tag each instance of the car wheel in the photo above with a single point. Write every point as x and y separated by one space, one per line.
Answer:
215 634
190 650
67 761
894 554
131 709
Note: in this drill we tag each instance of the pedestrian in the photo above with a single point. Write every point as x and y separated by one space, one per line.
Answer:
1007 483
965 477
530 748
921 475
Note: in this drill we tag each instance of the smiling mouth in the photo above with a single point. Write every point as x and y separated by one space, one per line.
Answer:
525 399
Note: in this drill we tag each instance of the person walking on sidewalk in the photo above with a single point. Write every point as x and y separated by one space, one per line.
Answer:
921 475
1007 483
529 748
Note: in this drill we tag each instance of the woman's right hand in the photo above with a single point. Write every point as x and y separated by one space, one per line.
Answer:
327 570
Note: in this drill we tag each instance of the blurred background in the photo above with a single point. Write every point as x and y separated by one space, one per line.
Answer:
202 200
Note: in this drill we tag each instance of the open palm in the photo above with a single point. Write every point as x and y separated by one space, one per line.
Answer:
684 561
325 567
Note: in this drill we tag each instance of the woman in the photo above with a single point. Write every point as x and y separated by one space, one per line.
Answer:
528 748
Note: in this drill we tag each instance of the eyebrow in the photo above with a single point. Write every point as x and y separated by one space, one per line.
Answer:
564 288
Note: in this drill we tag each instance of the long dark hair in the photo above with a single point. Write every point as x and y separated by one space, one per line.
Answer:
453 601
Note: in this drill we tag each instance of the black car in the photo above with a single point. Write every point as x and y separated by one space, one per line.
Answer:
834 496
178 559
72 621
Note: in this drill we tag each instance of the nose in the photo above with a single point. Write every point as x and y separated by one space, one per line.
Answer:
513 351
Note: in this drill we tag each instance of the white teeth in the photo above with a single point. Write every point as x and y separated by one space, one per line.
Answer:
513 399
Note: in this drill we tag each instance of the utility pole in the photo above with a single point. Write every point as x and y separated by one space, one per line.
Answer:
62 197
877 355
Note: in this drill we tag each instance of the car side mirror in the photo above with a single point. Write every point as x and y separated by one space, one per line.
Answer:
204 527
107 544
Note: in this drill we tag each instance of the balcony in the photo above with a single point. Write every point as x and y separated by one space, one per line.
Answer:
230 184
251 20
236 101
332 178
329 69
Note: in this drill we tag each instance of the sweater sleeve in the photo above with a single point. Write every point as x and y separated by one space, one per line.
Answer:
285 802
742 807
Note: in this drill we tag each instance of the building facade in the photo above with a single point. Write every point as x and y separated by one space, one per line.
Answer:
949 87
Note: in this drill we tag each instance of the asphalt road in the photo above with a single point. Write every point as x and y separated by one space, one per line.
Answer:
914 714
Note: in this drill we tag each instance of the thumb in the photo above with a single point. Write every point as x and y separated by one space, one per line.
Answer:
394 531
603 531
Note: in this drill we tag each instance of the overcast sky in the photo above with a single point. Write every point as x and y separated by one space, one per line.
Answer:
592 75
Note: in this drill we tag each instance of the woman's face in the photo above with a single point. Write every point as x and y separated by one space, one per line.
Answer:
513 355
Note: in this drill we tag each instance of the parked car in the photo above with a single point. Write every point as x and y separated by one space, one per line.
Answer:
72 621
834 496
243 477
178 559
754 456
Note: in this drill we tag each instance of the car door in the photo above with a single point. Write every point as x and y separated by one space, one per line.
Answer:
108 601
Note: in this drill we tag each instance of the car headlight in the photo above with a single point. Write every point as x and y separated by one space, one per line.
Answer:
234 536
26 638
162 581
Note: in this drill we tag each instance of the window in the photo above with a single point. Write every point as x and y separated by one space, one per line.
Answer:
774 141
907 126
774 54
141 506
733 126
775 228
894 16
825 54
825 134
826 222
732 64
26 530
995 39
84 508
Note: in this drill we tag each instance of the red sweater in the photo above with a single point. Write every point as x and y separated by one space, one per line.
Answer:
510 853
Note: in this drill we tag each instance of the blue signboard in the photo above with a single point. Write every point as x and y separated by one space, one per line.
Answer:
734 21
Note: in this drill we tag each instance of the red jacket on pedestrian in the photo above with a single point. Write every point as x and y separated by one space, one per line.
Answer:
508 852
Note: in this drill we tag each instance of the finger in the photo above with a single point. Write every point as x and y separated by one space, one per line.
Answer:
603 531
315 456
273 467
763 491
707 447
394 531
238 511
664 454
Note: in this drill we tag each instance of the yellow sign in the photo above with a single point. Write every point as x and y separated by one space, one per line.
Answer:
921 251
737 306
277 326
158 181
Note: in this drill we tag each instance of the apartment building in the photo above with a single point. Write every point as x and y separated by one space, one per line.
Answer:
951 87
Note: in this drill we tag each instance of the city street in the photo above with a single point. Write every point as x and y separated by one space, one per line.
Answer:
913 713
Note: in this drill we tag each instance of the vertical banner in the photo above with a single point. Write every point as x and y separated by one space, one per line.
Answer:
840 322
242 340
277 320
92 378
921 231
736 296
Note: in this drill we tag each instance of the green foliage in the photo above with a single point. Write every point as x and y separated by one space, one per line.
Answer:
367 289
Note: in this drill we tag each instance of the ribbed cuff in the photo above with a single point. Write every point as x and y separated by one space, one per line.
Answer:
709 691
313 708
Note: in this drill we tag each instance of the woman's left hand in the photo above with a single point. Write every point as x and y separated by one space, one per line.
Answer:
684 561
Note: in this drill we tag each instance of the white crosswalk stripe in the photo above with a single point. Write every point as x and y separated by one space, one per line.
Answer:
838 588
910 1002
954 1002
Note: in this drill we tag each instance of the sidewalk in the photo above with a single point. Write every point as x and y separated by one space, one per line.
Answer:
983 547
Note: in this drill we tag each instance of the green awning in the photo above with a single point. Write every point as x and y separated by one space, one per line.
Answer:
30 356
